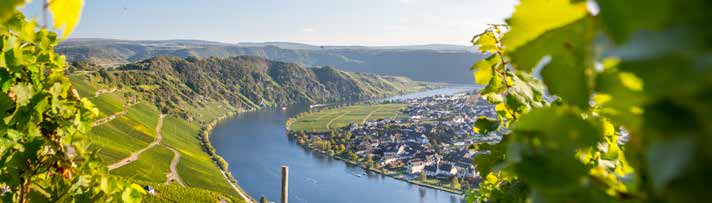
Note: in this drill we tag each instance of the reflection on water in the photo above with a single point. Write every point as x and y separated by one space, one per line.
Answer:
255 145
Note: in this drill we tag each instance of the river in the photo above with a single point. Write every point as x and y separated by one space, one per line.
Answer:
256 146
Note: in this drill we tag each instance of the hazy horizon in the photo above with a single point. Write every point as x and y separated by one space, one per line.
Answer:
314 22
260 42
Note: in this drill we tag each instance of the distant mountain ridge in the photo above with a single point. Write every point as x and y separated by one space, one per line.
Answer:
437 63
292 45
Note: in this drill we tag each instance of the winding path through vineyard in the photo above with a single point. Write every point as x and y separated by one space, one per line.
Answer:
325 115
173 175
369 115
134 156
328 125
104 91
123 112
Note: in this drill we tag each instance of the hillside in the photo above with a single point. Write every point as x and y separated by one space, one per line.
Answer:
292 45
163 144
153 113
245 82
438 63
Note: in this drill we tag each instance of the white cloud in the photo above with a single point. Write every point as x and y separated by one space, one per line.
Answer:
308 30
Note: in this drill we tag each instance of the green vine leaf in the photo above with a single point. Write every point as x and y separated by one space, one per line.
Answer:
495 155
23 93
45 122
558 129
532 18
485 125
570 49
7 7
620 21
629 128
495 85
66 14
667 159
483 69
487 42
616 101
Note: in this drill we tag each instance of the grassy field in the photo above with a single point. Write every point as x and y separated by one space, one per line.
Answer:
341 117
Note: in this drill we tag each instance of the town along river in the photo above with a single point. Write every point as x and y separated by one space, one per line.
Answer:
256 145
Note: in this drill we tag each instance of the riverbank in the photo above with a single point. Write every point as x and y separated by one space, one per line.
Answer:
219 160
396 175
382 171
205 133
255 146
390 142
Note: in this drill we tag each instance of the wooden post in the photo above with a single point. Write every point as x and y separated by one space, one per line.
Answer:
285 184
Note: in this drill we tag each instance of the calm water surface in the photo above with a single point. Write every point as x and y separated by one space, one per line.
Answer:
256 146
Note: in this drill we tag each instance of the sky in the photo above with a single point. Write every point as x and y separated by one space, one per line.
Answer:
318 22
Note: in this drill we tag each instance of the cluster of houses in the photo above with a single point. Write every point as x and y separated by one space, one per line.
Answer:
433 141
409 147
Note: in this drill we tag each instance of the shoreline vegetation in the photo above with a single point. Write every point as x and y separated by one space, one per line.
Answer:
206 130
293 132
223 165
197 111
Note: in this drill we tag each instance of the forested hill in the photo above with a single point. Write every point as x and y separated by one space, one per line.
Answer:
245 82
438 63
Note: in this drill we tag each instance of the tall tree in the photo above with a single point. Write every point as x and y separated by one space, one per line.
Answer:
455 183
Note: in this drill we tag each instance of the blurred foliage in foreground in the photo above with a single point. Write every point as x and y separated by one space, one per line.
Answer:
629 119
42 154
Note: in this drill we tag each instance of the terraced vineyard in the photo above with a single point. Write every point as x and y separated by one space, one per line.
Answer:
119 137
151 166
136 128
195 167
152 113
326 120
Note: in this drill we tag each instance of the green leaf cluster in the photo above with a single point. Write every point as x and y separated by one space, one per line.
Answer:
618 110
43 156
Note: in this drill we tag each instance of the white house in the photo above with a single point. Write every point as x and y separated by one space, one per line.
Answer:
149 190
446 170
416 168
387 159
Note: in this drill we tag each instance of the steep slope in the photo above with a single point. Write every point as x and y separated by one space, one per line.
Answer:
247 82
154 113
135 124
439 63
